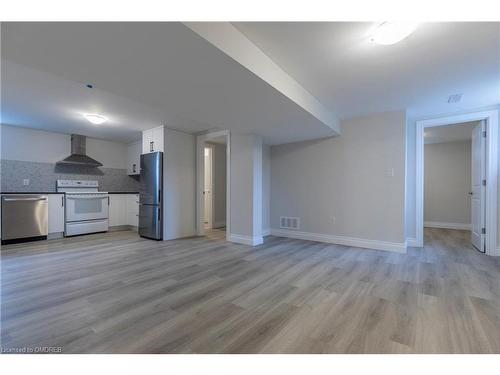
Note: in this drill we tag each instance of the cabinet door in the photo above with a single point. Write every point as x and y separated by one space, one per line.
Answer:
133 158
147 138
133 210
137 158
152 140
117 209
158 138
56 213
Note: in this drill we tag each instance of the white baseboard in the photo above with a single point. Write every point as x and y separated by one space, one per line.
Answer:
266 232
439 224
219 224
412 242
246 240
341 240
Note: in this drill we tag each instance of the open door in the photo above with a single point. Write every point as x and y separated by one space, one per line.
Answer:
478 191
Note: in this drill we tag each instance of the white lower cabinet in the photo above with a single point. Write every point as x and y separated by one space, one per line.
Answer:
56 213
123 209
133 209
117 209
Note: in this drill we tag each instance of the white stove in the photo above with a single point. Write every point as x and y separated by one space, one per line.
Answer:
86 208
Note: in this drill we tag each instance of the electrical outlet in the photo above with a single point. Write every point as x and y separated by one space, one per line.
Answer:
26 181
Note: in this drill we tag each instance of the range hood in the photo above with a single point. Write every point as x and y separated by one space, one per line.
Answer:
78 156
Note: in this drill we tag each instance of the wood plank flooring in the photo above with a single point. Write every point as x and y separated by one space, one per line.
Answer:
118 293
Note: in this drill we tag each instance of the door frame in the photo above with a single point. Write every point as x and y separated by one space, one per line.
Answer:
491 118
200 179
211 216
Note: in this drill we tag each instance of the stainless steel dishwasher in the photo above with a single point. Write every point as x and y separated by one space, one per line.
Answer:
24 217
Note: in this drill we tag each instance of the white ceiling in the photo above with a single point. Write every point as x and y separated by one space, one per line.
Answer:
41 100
338 64
147 74
144 74
449 133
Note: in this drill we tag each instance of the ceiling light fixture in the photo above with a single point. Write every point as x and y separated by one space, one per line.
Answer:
95 119
388 33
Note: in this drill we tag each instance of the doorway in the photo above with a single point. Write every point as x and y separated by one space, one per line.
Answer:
483 176
214 193
208 189
451 172
213 184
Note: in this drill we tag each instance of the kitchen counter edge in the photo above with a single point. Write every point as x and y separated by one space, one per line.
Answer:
54 192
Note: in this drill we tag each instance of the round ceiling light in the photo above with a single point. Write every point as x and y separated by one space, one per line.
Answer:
388 33
95 119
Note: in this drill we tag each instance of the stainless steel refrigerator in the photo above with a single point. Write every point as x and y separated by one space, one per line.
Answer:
151 196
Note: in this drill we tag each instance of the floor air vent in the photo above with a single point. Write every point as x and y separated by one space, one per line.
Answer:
287 222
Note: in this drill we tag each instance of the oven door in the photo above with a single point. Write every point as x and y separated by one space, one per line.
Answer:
81 207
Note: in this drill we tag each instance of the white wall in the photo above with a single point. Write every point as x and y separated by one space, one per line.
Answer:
447 182
342 186
110 154
246 188
179 176
410 223
26 144
266 189
219 184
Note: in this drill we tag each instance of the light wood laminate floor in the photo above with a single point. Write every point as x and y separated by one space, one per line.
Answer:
118 293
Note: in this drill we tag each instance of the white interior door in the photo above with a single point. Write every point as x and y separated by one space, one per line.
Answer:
478 196
208 188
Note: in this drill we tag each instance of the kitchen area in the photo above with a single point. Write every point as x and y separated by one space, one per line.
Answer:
58 185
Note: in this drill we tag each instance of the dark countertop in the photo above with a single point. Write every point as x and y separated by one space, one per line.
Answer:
29 192
53 192
123 192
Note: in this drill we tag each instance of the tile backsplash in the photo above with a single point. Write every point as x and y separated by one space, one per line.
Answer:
43 176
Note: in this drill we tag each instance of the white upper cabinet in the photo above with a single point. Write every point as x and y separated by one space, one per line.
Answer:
147 138
56 213
158 138
152 140
134 158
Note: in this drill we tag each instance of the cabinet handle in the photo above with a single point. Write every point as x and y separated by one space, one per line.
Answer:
133 168
108 200
62 201
151 146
